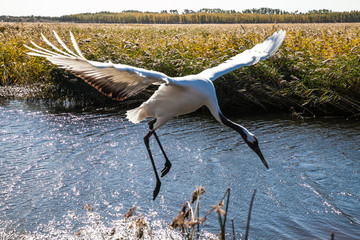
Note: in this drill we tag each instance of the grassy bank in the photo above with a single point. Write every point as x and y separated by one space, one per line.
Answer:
316 71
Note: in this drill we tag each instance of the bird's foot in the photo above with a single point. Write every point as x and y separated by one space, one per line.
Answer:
166 168
157 189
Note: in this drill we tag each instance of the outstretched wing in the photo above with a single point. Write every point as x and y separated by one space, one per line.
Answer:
249 57
117 81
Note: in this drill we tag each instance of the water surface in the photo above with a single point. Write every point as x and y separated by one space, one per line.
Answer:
53 163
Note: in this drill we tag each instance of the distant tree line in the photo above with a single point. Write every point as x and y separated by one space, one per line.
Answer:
5 18
205 15
263 15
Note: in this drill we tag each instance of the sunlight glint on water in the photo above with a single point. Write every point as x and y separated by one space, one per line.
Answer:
54 163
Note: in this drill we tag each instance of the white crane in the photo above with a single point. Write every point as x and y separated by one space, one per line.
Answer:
175 96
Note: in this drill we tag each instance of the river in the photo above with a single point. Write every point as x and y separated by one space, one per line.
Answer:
53 163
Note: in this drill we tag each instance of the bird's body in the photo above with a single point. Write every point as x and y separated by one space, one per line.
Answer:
170 101
176 95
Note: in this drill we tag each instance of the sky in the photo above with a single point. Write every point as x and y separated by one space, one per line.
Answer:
64 7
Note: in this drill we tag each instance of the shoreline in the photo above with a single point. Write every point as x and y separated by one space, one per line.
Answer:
12 92
88 100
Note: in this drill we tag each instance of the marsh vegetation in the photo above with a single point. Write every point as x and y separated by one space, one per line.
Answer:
316 72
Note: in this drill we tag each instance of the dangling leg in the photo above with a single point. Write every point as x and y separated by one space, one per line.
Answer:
167 162
158 183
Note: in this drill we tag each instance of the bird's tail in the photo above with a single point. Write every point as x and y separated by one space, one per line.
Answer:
136 115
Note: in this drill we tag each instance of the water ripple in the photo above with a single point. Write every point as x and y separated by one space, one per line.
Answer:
53 163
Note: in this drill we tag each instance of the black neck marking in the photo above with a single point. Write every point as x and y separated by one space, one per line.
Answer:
234 126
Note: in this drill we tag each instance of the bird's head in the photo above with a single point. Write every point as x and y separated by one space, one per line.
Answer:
253 143
248 137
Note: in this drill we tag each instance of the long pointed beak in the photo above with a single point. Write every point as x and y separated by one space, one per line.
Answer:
258 152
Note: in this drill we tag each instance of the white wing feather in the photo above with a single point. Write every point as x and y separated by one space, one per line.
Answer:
121 81
249 57
117 81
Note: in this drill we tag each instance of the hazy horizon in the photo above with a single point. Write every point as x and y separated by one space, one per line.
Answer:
53 9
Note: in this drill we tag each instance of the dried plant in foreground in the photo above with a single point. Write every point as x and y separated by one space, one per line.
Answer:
188 219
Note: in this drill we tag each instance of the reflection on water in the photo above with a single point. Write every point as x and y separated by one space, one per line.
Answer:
53 163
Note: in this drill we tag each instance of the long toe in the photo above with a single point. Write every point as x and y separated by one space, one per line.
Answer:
166 169
157 189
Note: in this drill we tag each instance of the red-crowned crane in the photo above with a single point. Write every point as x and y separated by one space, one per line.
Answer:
175 96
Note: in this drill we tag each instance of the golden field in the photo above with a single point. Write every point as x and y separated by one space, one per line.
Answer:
315 72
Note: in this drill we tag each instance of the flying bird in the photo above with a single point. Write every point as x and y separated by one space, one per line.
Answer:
175 96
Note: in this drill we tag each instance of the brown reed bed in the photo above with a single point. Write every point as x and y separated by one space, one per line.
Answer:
316 72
